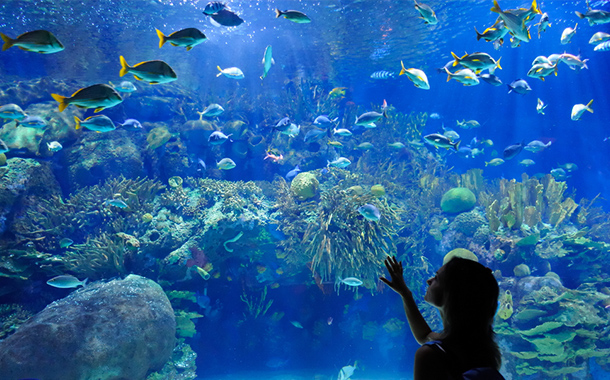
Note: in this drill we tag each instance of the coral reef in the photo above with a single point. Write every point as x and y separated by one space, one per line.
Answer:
458 199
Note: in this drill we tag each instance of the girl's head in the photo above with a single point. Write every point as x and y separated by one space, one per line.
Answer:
467 294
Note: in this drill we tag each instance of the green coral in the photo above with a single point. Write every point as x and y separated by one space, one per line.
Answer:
458 199
304 186
157 137
459 252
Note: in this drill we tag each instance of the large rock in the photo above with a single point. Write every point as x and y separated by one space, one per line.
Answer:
119 330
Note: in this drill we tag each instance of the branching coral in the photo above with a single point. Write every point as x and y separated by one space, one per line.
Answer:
256 306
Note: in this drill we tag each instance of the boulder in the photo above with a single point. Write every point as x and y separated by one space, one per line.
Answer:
118 330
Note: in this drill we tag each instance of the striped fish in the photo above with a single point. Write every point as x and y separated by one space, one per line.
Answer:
604 46
382 74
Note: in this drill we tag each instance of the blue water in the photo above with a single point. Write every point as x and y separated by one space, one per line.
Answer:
344 44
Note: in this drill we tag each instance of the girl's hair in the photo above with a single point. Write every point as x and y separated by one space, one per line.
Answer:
470 301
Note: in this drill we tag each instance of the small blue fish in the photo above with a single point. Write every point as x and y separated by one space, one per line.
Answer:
66 281
12 111
293 173
65 242
370 212
100 123
36 122
351 281
116 203
125 86
131 125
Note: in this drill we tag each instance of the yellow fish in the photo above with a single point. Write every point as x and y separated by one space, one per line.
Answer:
337 92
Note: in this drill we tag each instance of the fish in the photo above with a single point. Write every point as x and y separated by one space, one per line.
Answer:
440 141
396 145
152 72
131 125
569 166
541 70
12 112
418 77
351 281
553 58
231 72
294 16
599 37
543 23
527 162
214 7
567 34
512 151
365 146
293 173
296 324
537 146
283 124
98 96
559 174
188 38
116 203
100 123
520 86
450 133
540 106
573 61
491 79
125 86
226 164
340 162
54 146
337 92
514 23
212 110
594 16
346 372
226 17
3 147
217 138
470 124
493 33
35 122
477 62
382 74
267 61
542 59
314 134
494 162
604 46
465 76
292 130
579 109
65 242
37 41
435 116
334 143
372 116
369 212
66 281
343 132
324 121
426 13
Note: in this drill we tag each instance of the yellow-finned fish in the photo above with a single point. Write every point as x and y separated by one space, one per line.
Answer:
514 23
153 72
466 77
98 96
567 34
418 77
477 62
294 16
337 92
189 38
38 41
579 109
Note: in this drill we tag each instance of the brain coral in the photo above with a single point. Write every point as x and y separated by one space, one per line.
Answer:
457 200
460 252
304 186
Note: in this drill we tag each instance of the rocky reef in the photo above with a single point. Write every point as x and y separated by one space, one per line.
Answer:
122 329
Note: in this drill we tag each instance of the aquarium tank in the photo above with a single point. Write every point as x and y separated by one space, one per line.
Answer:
208 190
